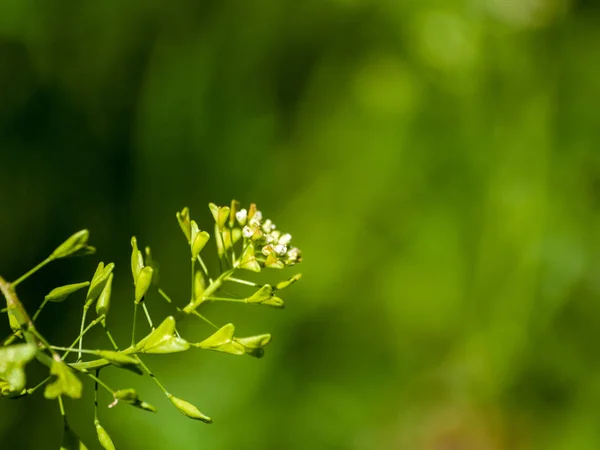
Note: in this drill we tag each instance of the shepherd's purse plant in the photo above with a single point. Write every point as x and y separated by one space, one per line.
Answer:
245 242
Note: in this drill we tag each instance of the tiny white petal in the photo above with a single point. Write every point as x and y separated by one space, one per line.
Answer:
247 232
268 226
285 239
241 216
280 249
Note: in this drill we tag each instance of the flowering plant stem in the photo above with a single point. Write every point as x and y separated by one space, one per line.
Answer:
244 243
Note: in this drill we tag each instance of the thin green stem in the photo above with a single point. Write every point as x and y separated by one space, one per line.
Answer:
91 325
85 309
96 395
204 268
39 385
164 295
193 276
197 314
194 312
39 310
70 349
62 408
102 383
224 299
108 333
31 272
246 282
135 308
211 289
147 315
147 370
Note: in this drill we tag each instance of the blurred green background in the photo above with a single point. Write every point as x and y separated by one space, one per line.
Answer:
436 161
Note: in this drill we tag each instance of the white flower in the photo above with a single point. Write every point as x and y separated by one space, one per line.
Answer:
280 249
285 239
256 219
241 216
268 226
247 232
293 255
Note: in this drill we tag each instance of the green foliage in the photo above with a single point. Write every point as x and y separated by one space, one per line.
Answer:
63 380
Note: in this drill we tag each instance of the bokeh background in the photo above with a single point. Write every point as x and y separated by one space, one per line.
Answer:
436 161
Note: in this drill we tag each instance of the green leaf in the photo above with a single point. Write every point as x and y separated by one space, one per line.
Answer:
286 283
70 440
121 360
65 383
143 283
99 280
222 341
103 303
183 218
163 340
104 438
12 361
248 259
137 261
188 409
59 294
131 397
76 244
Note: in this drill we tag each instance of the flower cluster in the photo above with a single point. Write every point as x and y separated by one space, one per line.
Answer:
274 245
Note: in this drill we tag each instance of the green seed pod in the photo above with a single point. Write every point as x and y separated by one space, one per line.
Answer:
248 259
126 395
144 280
61 293
103 304
76 244
137 261
273 262
236 234
263 294
188 409
275 302
258 341
222 341
121 360
163 340
254 344
98 282
130 396
104 438
183 218
286 283
199 242
235 207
